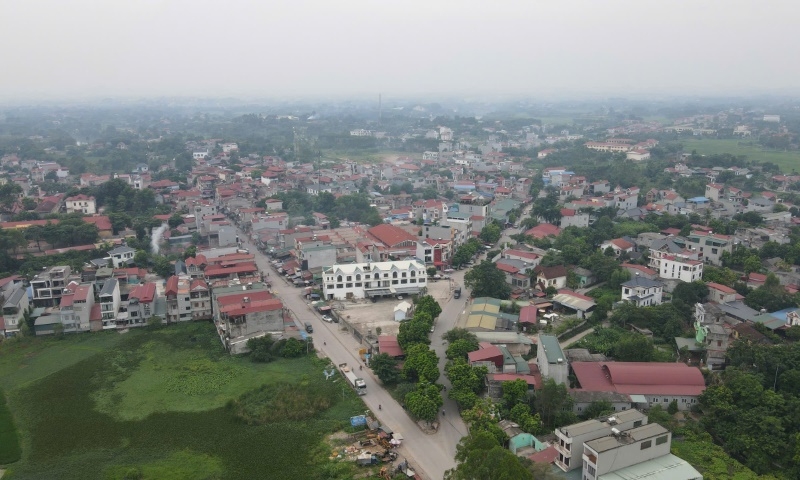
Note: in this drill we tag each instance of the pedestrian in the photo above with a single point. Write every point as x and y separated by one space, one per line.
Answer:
443 413
361 367
379 406
324 343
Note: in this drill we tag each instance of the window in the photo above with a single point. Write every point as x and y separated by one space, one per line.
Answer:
646 445
637 423
349 285
591 470
358 277
339 278
661 440
349 278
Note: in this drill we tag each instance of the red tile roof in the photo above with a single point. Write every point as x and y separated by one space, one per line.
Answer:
145 292
720 287
548 455
543 230
527 314
486 352
390 235
640 378
223 270
238 297
388 344
243 308
172 286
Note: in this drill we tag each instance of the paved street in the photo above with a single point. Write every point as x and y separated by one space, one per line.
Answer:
432 454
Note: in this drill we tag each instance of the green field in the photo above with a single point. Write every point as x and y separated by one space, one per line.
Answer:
168 403
787 161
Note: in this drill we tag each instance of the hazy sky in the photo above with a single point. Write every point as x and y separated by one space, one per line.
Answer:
318 47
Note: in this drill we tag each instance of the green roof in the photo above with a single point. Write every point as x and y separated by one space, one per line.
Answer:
551 348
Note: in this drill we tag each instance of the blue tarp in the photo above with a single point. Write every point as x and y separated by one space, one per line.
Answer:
358 420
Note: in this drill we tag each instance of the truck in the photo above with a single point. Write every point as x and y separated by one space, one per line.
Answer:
357 383
457 292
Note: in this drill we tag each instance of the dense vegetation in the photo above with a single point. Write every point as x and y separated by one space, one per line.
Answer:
168 403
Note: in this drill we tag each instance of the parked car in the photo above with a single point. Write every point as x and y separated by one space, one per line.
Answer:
327 318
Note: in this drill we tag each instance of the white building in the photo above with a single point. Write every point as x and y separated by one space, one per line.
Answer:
623 449
109 303
642 291
675 268
570 439
376 279
81 204
122 256
361 133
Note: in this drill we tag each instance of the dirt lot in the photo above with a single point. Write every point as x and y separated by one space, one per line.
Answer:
366 315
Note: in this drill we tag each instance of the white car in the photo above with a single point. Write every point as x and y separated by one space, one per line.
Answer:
327 318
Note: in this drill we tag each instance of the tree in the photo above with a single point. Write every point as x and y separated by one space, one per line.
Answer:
431 271
634 348
460 348
459 334
261 349
293 348
597 408
424 402
428 304
385 367
155 322
491 233
554 404
162 266
514 392
486 280
175 221
481 457
414 331
421 363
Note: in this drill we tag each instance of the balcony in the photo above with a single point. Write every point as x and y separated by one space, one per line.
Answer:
590 458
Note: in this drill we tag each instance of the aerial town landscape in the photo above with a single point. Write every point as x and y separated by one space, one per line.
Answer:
398 285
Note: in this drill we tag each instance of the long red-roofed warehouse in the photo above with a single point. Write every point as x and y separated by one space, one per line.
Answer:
646 382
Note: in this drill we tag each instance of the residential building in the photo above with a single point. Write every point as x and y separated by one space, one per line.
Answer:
242 312
122 256
110 301
624 449
677 268
141 305
710 245
76 306
619 246
570 439
15 303
81 204
720 293
187 299
642 291
435 252
551 359
555 276
48 286
573 218
375 279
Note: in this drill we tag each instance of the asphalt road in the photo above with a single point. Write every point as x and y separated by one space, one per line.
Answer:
430 455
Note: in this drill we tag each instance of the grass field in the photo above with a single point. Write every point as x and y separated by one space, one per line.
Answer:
168 404
711 146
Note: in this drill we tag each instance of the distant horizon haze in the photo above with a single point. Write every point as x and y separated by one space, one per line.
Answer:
91 49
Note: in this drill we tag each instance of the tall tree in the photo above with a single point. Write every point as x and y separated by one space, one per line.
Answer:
486 280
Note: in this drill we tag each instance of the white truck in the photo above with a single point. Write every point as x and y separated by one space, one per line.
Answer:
358 384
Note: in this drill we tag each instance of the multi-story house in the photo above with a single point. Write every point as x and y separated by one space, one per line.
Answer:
551 359
122 256
710 245
14 300
242 312
141 305
642 291
361 280
674 267
76 307
81 204
48 286
647 448
200 298
570 439
110 301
